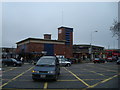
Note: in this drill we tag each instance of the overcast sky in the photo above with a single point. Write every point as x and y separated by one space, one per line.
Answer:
21 20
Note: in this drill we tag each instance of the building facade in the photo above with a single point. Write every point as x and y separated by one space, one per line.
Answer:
83 51
8 52
61 47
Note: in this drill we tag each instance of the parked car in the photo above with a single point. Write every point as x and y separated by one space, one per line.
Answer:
64 62
11 62
98 60
109 59
47 67
118 61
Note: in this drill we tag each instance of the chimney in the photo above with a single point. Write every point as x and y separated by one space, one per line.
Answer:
47 36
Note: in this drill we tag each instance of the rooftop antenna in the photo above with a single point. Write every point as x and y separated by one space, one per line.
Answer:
62 16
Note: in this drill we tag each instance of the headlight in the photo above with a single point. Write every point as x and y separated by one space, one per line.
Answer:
35 71
51 72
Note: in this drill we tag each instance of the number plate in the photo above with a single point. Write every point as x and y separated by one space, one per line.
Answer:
42 76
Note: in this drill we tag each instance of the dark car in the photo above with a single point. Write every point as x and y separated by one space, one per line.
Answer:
118 61
98 60
11 62
47 67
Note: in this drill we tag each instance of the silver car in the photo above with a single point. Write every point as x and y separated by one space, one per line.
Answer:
64 62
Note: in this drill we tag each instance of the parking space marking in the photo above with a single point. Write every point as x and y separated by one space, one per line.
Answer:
103 68
45 85
67 80
92 79
77 77
15 77
95 72
105 80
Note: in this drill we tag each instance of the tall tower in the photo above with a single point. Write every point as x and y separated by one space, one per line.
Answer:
65 33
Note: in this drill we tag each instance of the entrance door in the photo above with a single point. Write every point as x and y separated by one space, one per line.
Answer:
49 48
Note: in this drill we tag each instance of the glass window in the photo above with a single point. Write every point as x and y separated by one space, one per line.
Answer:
46 61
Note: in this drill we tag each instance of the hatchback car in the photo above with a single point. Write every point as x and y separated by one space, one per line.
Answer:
47 67
11 62
64 62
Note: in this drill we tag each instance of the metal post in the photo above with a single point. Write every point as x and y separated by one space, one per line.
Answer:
91 52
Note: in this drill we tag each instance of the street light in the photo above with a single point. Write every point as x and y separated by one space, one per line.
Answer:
90 49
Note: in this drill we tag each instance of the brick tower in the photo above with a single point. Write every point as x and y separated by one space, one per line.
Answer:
65 33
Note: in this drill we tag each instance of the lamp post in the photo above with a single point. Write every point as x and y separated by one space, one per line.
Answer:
90 49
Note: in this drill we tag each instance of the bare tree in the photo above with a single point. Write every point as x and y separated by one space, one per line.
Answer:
115 28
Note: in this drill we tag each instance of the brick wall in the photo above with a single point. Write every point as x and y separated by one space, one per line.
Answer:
61 34
59 49
35 47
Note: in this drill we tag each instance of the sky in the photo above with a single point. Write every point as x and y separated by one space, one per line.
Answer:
21 20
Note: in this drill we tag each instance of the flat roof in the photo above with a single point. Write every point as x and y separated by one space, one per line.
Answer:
86 45
37 39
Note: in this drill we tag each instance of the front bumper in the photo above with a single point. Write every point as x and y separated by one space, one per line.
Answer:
43 76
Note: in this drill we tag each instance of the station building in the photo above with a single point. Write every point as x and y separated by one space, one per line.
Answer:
60 47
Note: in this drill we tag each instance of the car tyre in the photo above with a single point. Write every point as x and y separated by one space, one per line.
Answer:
68 65
14 64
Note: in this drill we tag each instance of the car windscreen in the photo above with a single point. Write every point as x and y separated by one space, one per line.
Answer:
14 60
46 61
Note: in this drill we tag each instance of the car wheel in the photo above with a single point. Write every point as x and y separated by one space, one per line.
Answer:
14 64
68 65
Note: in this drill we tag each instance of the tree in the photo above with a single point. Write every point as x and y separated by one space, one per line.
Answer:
115 28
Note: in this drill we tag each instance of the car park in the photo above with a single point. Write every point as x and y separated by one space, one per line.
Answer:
11 62
47 67
64 62
98 60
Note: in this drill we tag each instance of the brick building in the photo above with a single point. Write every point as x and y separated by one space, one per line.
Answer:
60 47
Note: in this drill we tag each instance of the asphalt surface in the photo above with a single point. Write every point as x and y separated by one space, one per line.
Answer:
78 76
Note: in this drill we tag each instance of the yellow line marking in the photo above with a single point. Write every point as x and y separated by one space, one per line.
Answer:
92 79
103 69
67 80
42 89
45 85
97 73
77 77
102 81
15 78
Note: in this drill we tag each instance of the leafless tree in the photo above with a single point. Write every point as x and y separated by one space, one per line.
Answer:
115 28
